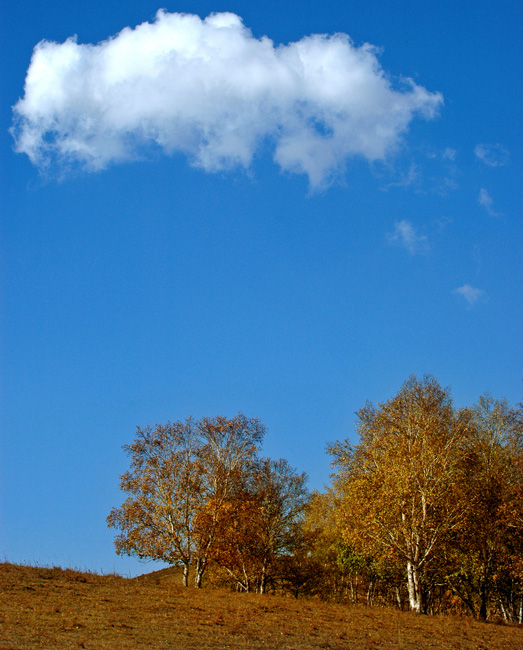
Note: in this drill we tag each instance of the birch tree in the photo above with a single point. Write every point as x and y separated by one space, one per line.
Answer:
181 474
395 488
485 552
261 523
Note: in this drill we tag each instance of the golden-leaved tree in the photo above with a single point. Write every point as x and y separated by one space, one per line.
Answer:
484 553
395 489
181 476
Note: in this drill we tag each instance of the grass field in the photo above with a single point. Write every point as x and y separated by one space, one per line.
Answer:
61 609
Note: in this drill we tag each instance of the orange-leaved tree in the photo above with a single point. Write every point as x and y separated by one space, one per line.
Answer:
261 522
181 475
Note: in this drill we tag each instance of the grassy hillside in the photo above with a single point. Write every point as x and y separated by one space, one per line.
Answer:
61 609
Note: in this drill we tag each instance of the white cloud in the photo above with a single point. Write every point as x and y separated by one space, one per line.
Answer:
405 179
493 155
210 89
406 236
471 294
486 201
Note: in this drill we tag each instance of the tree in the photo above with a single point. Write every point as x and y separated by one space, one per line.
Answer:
261 522
485 550
282 495
395 488
323 545
181 476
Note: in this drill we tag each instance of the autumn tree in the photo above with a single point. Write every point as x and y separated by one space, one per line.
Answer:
336 568
181 476
395 488
260 523
485 551
282 494
319 528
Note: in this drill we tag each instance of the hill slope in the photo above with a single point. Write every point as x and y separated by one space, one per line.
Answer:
61 609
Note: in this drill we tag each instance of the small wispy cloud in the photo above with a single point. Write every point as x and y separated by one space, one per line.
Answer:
405 235
440 171
487 202
449 154
211 90
441 223
471 294
492 155
404 178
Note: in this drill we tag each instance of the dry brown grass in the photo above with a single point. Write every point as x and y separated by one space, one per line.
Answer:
44 609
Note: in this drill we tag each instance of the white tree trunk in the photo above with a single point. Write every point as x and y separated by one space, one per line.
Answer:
414 588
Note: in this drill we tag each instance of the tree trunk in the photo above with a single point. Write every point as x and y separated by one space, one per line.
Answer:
506 617
351 581
247 580
483 595
398 598
185 575
370 591
466 599
415 589
200 570
263 578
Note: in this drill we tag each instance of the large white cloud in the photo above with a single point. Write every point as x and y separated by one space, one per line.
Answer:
210 89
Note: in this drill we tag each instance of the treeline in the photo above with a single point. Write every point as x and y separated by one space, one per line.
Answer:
424 513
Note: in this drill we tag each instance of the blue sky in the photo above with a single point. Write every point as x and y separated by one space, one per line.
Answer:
285 241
